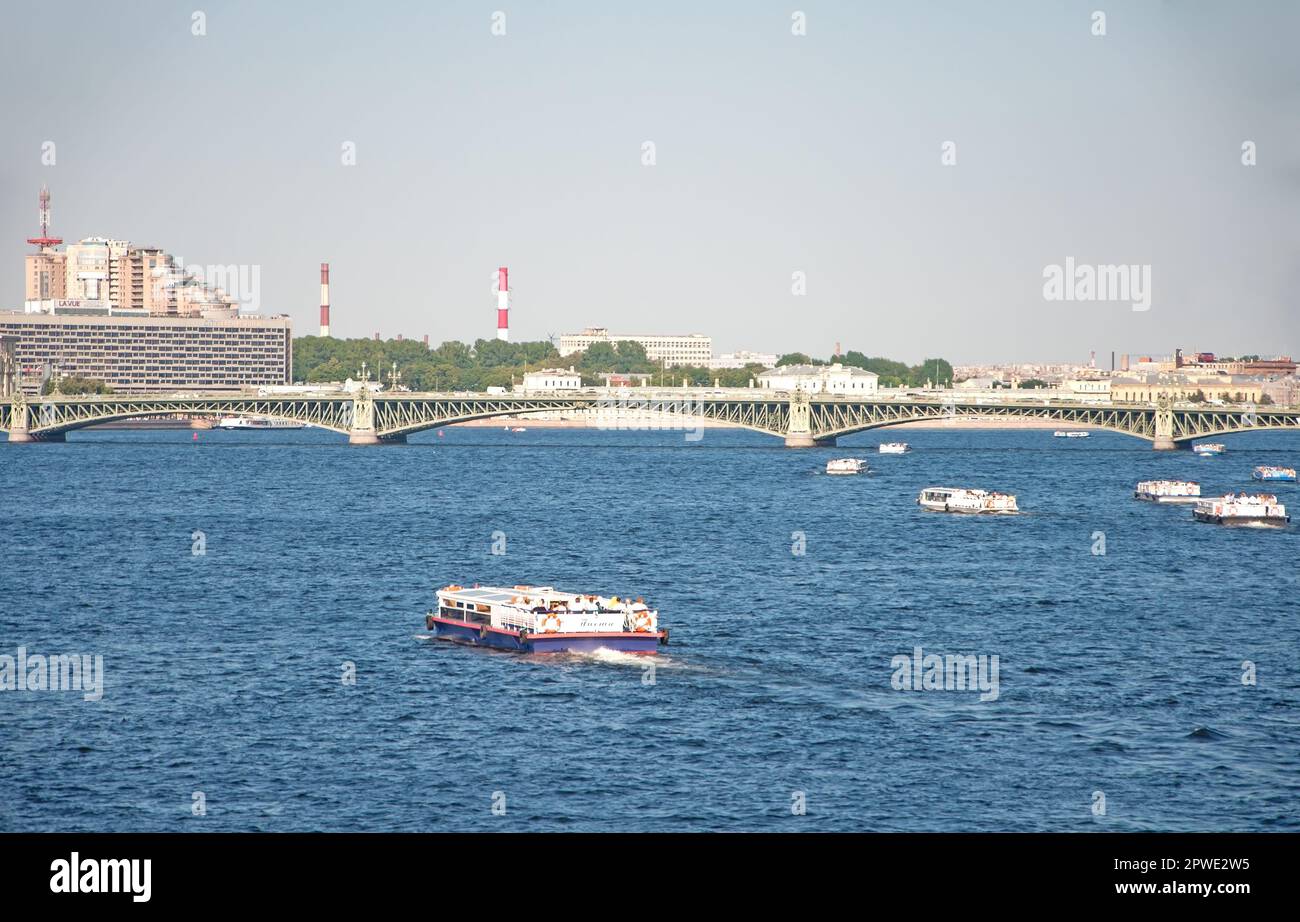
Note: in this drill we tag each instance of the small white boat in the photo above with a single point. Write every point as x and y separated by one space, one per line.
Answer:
960 499
1261 510
259 422
519 429
1208 448
1168 491
846 466
1070 434
894 448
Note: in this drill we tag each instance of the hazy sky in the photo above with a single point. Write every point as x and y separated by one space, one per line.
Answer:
775 153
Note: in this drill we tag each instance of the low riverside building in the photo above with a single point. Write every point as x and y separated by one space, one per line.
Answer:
1087 390
821 379
1149 388
135 354
552 379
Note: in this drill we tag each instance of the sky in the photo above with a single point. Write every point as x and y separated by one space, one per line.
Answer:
774 153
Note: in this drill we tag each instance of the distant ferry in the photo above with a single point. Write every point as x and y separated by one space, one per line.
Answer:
846 466
1269 472
1070 434
1261 510
894 448
515 429
259 422
1208 448
958 499
542 619
1168 491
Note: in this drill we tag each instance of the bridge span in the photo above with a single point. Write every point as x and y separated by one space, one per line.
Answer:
801 419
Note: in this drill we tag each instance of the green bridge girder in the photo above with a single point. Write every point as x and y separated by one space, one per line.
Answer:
801 419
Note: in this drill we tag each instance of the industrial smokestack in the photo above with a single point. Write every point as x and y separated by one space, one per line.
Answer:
324 299
426 340
503 304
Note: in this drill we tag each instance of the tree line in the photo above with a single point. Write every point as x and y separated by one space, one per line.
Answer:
892 373
493 363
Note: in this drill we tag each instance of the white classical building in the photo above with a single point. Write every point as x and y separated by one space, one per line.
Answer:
552 379
672 350
820 379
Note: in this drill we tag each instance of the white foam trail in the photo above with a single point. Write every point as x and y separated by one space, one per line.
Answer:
615 657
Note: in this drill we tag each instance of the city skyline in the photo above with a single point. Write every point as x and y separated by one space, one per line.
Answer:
819 153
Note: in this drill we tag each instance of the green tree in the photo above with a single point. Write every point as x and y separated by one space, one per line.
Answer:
75 384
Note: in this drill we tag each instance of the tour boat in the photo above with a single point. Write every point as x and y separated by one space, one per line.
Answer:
1262 510
958 499
1168 491
1208 448
259 422
1269 472
1070 434
542 619
894 448
846 466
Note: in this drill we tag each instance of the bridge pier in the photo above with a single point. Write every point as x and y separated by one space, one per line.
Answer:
798 433
24 436
1167 444
370 437
807 441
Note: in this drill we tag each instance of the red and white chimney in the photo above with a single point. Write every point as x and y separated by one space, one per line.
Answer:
503 304
324 299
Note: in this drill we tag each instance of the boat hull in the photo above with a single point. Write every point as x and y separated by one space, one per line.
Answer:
954 510
1152 498
500 639
1242 521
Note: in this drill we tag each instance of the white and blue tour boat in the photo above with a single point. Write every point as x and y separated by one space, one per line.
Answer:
846 466
1168 491
1261 510
1271 472
542 619
959 499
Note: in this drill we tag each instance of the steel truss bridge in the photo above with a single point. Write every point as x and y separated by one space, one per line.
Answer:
801 419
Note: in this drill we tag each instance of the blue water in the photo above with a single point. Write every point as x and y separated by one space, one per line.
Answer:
1119 673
